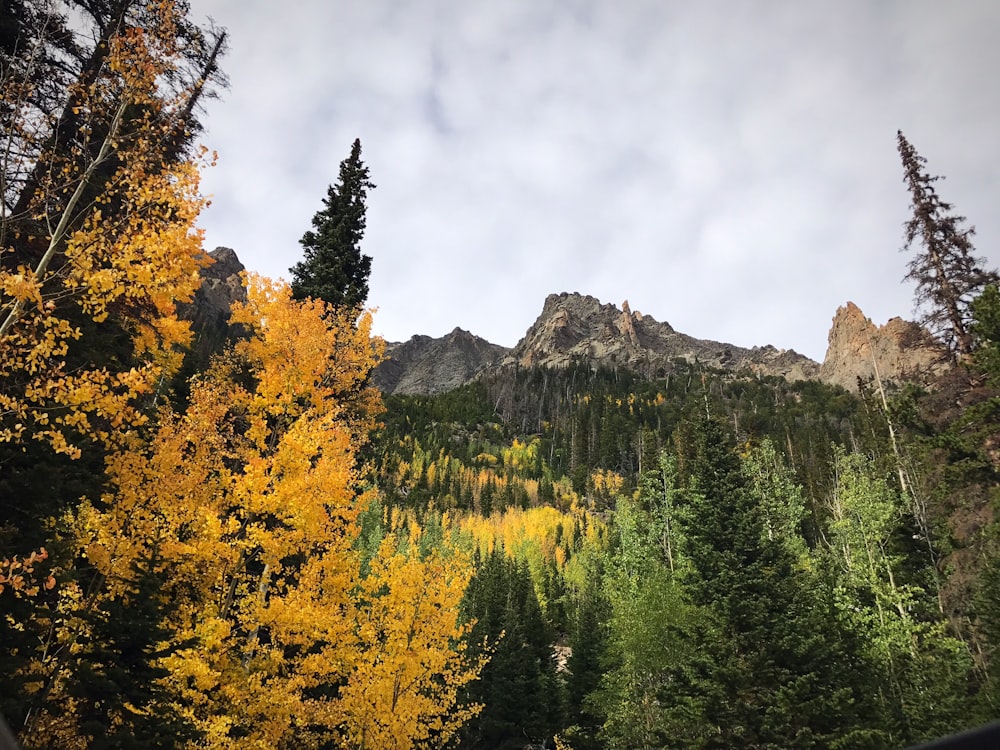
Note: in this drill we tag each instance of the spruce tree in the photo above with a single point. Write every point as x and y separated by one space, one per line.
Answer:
947 274
785 672
333 267
518 686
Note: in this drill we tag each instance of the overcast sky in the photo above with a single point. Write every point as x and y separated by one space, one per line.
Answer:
727 166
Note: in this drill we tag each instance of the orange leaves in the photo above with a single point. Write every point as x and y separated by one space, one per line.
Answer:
19 575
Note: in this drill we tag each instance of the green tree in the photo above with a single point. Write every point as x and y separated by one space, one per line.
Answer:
657 641
986 331
517 687
118 687
786 672
947 274
922 673
333 267
585 663
779 498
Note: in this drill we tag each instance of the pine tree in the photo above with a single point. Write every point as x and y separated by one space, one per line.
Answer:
118 688
786 672
517 686
947 274
333 268
986 330
587 640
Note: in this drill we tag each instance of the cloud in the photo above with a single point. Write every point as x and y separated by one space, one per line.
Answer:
727 166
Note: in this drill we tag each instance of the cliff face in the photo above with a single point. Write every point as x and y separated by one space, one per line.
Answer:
435 365
898 350
573 326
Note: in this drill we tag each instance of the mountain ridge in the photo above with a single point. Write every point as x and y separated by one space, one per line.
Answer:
573 327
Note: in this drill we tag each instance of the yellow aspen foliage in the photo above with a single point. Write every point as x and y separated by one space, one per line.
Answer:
605 486
107 231
249 498
520 455
403 691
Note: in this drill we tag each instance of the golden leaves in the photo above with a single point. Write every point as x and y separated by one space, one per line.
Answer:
412 662
119 243
250 497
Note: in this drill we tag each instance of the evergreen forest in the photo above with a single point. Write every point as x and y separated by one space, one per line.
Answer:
257 549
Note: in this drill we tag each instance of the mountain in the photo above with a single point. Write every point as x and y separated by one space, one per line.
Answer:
221 286
425 365
898 350
575 326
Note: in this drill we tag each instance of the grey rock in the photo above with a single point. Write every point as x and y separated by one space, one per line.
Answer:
208 312
575 326
425 365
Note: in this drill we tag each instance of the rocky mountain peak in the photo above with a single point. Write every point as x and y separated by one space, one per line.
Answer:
858 348
626 325
221 286
435 365
576 326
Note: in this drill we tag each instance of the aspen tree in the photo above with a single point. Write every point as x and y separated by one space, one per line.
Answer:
97 231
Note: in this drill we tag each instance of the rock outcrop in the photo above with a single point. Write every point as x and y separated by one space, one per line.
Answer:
898 350
574 326
428 365
208 312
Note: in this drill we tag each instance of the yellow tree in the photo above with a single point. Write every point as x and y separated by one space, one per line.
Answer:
100 191
404 689
249 501
101 234
251 495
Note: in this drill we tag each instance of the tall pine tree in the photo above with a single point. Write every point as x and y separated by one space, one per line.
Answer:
947 274
785 671
333 267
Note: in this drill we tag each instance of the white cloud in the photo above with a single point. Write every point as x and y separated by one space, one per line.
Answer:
727 166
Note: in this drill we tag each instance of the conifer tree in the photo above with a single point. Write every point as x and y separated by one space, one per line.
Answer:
517 686
947 274
333 267
786 671
986 330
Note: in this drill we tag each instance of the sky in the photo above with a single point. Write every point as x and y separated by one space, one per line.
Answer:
727 166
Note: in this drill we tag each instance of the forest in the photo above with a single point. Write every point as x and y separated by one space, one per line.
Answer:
257 549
